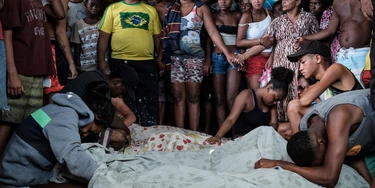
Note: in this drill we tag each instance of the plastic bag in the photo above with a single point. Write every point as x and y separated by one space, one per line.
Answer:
265 78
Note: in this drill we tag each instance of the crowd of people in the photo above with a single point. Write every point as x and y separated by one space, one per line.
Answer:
88 69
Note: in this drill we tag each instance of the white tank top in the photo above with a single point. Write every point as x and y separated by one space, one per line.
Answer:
257 29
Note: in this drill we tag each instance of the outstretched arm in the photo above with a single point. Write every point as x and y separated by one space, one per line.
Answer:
238 106
209 24
333 25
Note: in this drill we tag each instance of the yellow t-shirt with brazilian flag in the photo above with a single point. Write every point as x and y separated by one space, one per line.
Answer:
132 27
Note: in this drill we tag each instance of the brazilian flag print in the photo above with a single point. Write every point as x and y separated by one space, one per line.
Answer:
138 20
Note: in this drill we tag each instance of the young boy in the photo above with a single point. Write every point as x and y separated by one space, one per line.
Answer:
332 80
53 134
85 37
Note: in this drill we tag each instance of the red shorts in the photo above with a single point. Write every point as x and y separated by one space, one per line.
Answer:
366 78
255 65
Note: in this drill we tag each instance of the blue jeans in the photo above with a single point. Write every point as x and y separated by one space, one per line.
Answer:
220 64
3 79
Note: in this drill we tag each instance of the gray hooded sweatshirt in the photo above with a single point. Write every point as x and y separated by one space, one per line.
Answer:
48 136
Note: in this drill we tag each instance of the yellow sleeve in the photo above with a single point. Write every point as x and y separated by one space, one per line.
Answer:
106 23
156 23
368 60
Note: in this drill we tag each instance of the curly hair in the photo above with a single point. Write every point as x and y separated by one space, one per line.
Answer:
281 77
300 150
98 99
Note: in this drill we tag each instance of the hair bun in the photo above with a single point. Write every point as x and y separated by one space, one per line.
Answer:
282 74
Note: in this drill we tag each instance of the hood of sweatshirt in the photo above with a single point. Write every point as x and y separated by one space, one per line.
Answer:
73 101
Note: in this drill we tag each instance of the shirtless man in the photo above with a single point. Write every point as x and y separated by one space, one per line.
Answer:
355 34
335 131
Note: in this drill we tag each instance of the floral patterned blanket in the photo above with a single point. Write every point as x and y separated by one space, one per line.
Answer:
165 138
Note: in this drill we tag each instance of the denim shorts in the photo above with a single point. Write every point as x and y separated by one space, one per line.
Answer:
220 63
3 79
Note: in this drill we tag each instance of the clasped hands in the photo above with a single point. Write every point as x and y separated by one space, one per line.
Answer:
266 41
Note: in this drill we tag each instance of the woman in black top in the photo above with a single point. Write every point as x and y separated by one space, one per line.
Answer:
253 108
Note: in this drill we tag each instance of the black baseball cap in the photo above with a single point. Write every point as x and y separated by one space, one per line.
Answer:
310 47
129 77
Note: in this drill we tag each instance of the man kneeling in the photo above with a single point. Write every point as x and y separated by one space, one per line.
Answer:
340 129
53 135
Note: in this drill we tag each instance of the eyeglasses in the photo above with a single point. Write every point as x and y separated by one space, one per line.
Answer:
314 4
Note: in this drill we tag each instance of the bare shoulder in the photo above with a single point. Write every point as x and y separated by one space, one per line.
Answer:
347 114
337 67
204 10
245 17
245 94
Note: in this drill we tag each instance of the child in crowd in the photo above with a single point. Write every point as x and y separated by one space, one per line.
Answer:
245 5
277 9
303 86
85 37
76 11
53 134
253 25
316 7
256 107
225 77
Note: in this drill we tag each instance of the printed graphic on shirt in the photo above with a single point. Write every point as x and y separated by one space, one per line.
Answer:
354 150
134 20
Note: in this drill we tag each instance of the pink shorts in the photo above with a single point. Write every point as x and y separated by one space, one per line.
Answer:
255 65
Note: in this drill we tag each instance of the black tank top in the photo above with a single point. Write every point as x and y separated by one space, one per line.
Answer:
247 121
356 86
